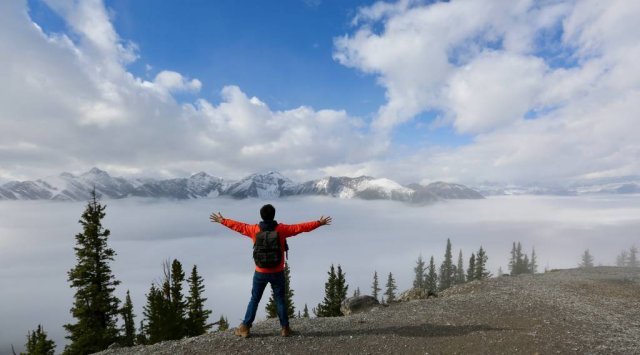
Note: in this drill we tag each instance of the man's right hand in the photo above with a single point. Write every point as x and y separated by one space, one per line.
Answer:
325 221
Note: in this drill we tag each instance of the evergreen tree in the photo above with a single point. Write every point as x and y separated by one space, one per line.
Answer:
533 263
305 313
621 260
356 292
525 263
471 271
375 288
632 260
129 328
38 343
95 306
587 260
513 260
460 277
446 268
156 313
197 315
391 289
481 262
271 308
178 305
335 290
141 338
223 324
431 281
419 274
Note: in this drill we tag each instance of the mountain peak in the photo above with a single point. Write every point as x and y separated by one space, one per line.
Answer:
96 171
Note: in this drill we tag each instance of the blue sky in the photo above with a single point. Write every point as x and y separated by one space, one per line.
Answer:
461 91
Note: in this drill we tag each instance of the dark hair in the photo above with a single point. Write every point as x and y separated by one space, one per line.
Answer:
268 213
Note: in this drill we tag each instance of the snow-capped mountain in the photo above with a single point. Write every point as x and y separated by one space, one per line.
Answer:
269 185
612 185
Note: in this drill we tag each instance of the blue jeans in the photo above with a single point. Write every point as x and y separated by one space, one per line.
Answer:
260 281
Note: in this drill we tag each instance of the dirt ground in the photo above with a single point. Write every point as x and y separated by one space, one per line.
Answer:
581 311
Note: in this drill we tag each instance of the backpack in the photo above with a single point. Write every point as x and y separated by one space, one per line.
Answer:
267 251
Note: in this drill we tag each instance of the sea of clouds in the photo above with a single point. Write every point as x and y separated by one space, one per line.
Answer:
37 240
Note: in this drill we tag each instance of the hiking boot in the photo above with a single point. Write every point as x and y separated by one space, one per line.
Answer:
242 331
285 331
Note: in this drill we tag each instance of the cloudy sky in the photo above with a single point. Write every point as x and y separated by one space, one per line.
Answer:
505 90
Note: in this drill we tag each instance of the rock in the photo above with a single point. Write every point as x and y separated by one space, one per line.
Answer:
114 346
416 294
358 304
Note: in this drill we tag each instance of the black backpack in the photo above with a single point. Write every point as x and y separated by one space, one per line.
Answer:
267 251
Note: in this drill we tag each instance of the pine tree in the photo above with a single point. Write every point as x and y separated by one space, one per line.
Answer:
223 324
177 305
391 289
431 281
481 262
632 260
141 338
156 313
335 290
525 264
419 274
460 277
513 260
471 271
129 328
271 308
305 312
375 288
621 260
38 343
446 269
587 260
197 315
95 306
533 263
356 292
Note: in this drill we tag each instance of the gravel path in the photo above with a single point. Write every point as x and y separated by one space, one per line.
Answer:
595 311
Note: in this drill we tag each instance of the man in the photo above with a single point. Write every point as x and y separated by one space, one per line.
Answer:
269 239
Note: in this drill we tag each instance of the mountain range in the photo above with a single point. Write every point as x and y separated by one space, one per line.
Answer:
270 185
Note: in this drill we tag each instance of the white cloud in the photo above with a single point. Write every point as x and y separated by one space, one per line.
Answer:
491 66
71 101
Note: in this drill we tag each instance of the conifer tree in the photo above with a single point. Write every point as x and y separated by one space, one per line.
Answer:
446 268
271 308
513 260
632 260
533 263
471 271
335 292
305 312
431 281
419 274
391 289
197 315
481 262
178 305
460 277
38 343
141 338
129 327
621 260
156 313
375 288
223 324
356 292
95 306
587 260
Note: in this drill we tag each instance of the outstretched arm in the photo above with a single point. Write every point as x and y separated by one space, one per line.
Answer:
295 229
242 228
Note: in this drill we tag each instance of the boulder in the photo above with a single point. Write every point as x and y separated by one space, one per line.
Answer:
358 304
416 294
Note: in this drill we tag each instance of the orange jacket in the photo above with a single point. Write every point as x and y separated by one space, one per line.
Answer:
284 231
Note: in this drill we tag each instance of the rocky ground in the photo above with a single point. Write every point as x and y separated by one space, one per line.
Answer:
595 311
